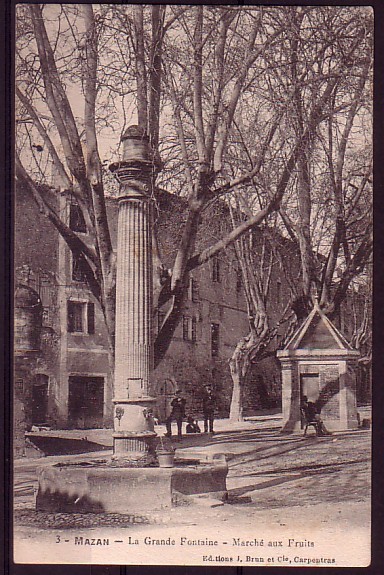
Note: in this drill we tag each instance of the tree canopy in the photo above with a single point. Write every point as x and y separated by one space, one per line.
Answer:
266 108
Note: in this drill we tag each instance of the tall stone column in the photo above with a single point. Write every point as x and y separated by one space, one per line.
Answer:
133 426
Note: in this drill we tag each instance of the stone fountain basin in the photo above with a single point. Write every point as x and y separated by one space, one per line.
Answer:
99 487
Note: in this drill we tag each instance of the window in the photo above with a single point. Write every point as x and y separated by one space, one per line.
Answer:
189 328
193 293
215 269
76 219
19 385
40 398
215 329
78 269
81 317
75 317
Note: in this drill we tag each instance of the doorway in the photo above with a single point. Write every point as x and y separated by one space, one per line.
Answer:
85 402
310 386
40 399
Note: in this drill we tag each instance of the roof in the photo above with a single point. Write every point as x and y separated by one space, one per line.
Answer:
318 332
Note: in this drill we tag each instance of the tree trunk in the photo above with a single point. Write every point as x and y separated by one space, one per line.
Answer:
236 409
141 72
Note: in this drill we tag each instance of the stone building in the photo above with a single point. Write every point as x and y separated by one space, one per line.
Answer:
69 383
72 359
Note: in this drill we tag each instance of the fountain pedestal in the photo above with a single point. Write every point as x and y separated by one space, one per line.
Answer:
134 433
98 487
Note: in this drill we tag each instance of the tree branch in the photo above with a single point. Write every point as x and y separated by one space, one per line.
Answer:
72 239
250 58
58 104
180 132
247 177
224 23
94 171
47 140
158 16
355 267
198 85
141 74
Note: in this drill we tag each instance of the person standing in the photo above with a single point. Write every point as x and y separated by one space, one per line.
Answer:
209 404
177 414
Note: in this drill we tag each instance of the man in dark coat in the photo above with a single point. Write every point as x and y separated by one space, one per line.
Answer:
209 404
311 412
177 414
192 426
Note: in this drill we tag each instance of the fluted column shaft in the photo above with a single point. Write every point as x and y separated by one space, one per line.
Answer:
133 424
133 352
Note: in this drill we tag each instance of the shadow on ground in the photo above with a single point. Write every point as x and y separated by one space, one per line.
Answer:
50 445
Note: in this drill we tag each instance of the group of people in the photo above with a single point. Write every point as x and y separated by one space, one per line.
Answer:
310 412
178 414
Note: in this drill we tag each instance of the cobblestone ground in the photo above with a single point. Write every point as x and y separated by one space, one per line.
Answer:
272 477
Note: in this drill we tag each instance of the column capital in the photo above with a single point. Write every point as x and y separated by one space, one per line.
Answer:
134 177
140 163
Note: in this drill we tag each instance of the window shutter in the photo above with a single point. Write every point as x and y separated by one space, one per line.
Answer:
194 335
185 328
239 280
278 291
70 326
76 219
216 269
195 291
215 339
78 268
91 317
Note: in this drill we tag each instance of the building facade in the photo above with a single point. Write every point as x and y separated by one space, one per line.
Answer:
68 383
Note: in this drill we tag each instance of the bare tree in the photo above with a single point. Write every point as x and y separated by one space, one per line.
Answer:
332 183
191 74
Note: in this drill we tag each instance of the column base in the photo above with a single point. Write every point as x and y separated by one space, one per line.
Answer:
134 447
134 434
133 416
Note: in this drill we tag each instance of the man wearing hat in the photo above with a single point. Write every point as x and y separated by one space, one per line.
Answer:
177 414
209 401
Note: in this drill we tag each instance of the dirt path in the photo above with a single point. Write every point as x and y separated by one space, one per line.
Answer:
280 487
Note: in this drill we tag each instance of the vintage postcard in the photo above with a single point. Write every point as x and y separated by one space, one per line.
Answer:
193 285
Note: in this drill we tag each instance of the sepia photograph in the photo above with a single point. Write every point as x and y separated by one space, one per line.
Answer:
193 238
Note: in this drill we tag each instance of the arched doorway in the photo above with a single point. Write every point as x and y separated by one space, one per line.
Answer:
165 391
40 399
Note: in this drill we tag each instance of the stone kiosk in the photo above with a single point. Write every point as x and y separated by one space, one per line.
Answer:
319 362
